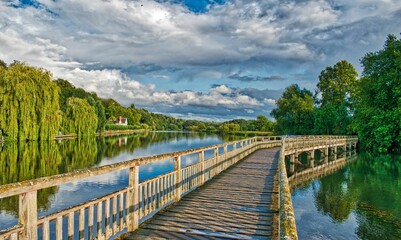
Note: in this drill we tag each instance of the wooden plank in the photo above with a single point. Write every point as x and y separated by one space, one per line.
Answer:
206 232
219 217
215 213
145 234
235 204
213 222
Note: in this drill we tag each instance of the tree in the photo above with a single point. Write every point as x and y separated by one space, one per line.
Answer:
100 113
263 124
378 104
79 118
29 105
337 84
294 112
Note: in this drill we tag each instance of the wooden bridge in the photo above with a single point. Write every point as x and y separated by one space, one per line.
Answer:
241 192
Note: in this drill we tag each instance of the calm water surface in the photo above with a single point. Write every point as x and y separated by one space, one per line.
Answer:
38 159
361 201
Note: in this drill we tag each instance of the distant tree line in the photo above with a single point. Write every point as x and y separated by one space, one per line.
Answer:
343 104
35 107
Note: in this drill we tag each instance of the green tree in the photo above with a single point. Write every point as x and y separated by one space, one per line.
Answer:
29 105
294 112
337 84
100 113
378 108
79 118
263 124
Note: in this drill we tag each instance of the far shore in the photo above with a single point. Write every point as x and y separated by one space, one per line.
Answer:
104 133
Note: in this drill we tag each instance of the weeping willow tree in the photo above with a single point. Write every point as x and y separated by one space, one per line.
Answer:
79 118
29 104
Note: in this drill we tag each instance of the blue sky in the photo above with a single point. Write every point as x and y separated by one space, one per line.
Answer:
200 59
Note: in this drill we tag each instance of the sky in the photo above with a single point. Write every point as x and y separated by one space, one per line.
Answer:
194 59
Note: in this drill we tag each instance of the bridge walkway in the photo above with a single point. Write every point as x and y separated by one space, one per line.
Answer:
240 203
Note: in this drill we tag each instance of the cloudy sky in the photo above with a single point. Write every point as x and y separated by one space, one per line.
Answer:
204 59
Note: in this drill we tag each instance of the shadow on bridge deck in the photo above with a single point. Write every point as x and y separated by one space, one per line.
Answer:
240 203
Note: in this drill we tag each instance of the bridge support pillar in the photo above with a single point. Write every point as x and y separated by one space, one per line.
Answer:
292 163
326 155
335 152
312 159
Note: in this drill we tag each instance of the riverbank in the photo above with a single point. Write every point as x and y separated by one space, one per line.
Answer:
104 133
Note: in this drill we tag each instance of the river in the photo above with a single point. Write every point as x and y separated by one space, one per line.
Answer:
360 201
38 159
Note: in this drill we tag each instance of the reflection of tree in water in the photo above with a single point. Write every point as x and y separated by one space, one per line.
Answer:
334 198
78 154
371 188
25 161
378 179
35 159
374 223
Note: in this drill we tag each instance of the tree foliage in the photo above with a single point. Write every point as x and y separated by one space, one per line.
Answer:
337 84
294 112
29 105
378 108
79 118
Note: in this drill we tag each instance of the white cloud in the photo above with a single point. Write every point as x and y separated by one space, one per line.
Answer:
93 44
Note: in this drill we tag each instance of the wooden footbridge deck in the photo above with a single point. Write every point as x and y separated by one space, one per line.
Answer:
235 190
240 203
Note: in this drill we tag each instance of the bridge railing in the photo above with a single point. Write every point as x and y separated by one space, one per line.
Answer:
316 141
293 145
124 209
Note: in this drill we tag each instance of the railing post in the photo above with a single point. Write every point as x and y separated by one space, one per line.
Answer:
28 215
178 178
226 165
216 154
133 198
202 163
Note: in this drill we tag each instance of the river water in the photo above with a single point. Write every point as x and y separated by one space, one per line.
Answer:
38 159
360 201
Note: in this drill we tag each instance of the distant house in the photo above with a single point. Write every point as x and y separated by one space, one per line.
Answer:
121 121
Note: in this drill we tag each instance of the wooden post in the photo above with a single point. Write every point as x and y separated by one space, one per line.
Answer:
335 153
28 215
133 199
178 178
226 165
292 163
215 162
312 159
203 167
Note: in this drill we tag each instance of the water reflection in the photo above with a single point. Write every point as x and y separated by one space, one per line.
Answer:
360 201
38 159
